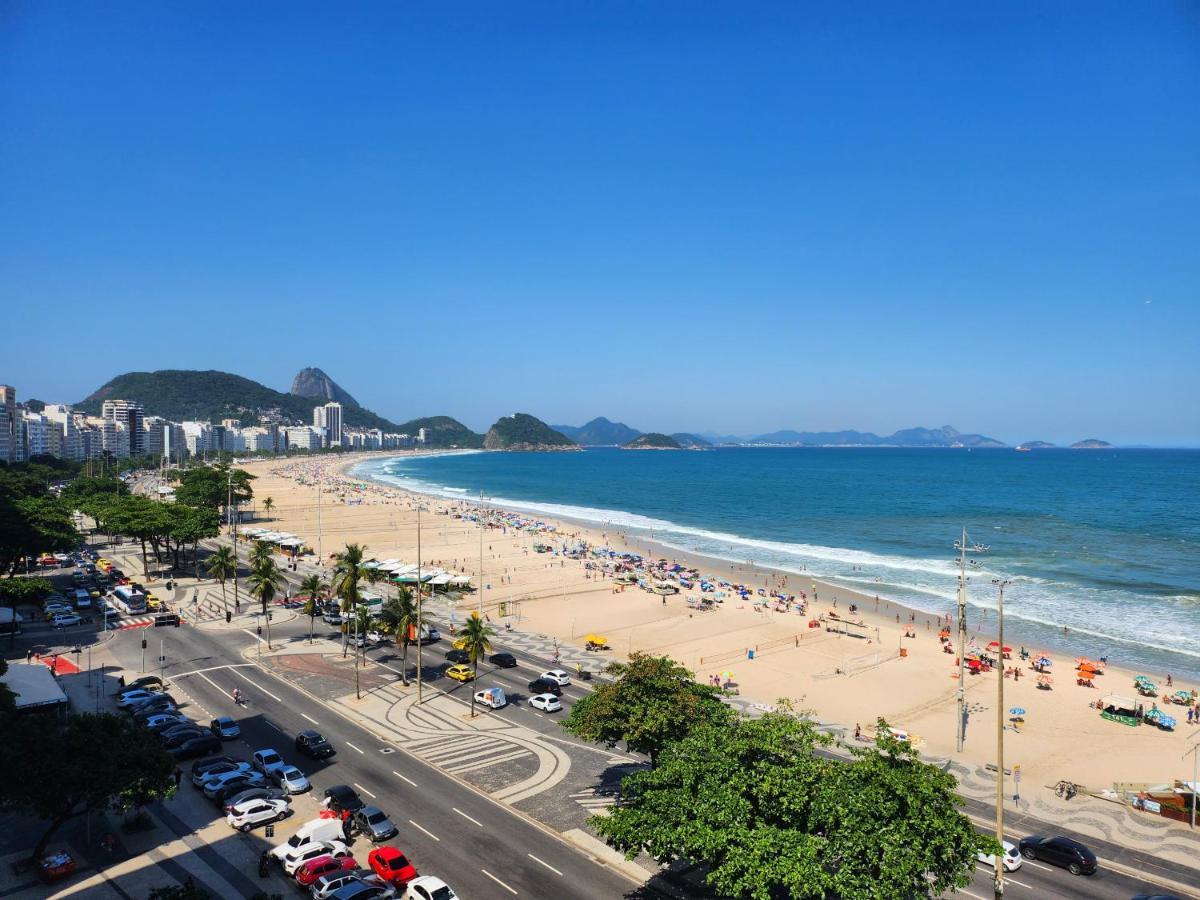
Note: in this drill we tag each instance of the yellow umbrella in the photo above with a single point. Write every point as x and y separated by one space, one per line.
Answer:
727 676
596 639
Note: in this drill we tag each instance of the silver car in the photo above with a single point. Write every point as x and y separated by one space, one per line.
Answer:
374 823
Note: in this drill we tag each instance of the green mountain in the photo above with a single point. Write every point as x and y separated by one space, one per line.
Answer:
653 441
521 431
1091 444
599 432
690 441
210 396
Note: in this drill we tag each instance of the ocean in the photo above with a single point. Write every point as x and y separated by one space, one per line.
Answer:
1104 542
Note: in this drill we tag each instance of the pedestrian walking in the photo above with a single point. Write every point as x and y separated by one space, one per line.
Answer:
178 776
29 655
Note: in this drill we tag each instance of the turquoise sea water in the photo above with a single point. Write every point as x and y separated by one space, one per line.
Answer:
1105 542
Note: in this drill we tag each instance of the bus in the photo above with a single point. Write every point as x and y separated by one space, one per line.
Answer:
128 601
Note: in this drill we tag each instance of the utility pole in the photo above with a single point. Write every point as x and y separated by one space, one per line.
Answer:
420 684
481 553
1195 786
962 547
233 531
998 885
320 558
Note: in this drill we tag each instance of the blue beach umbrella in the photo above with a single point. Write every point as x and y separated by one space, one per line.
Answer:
1016 711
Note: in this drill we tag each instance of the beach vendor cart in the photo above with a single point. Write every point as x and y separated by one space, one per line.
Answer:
1116 708
596 642
56 866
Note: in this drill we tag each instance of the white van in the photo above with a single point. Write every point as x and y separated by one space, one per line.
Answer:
316 830
83 600
493 697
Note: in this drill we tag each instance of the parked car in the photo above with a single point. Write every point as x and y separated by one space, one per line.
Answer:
255 793
557 676
364 889
257 812
159 721
542 686
1012 858
134 698
145 681
332 618
391 865
312 832
342 797
65 621
460 673
327 886
546 703
290 779
313 743
375 824
267 761
197 746
1059 851
458 656
503 660
217 782
295 857
152 702
158 709
324 865
244 781
225 728
215 765
429 887
181 736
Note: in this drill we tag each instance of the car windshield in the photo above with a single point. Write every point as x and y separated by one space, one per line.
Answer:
376 818
398 862
442 893
270 758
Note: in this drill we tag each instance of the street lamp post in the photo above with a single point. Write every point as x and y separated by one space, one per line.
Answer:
962 547
1195 755
420 684
998 886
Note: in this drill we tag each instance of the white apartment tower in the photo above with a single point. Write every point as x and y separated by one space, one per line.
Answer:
329 417
8 424
129 414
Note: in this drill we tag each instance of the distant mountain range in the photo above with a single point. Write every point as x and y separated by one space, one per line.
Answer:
908 437
599 432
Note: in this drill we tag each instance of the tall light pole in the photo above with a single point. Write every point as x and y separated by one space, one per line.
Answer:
1195 786
998 885
320 557
481 553
962 547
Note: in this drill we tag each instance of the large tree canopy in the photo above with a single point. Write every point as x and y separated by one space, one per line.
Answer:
209 486
651 702
772 819
32 521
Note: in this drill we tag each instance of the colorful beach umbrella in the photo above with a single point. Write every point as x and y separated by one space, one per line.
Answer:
727 676
1016 711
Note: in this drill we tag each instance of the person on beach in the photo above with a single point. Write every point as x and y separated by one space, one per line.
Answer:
1168 679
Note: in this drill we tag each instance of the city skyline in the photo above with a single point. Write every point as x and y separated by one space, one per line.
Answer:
729 220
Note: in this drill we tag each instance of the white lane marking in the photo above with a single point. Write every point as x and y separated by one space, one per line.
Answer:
1009 880
273 725
544 863
310 718
1037 865
351 746
430 833
465 816
364 790
511 891
253 635
213 669
257 685
409 780
969 894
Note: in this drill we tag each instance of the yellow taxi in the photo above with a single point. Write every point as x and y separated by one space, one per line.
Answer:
152 602
460 644
460 673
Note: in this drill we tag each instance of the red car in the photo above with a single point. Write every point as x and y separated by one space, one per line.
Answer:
324 865
391 865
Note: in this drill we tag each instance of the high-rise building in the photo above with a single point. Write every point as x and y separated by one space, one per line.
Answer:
8 423
129 414
329 417
35 434
69 439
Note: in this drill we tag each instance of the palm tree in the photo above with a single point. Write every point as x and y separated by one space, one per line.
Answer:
348 571
311 587
400 620
362 624
259 552
264 581
268 504
475 638
221 566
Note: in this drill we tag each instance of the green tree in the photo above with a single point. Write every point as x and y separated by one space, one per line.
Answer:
190 525
31 521
348 571
15 591
476 640
65 768
210 486
268 505
260 551
651 702
752 799
264 582
221 566
399 617
311 587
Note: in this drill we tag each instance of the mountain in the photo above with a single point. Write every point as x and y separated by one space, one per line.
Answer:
818 438
652 441
1035 445
314 383
1091 444
908 437
211 396
599 432
521 431
690 441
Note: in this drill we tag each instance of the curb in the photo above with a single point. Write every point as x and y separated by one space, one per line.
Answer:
541 826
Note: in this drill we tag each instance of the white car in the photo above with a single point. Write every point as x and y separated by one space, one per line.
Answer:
66 620
429 887
268 761
246 815
291 779
214 784
557 676
328 885
133 698
1012 858
546 703
159 721
295 857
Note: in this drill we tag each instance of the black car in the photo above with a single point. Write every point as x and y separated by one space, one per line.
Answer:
203 765
543 686
1059 851
503 660
182 737
197 746
154 704
342 797
244 782
254 793
313 743
138 684
458 656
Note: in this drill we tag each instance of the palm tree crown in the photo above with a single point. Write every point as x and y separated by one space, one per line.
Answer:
221 566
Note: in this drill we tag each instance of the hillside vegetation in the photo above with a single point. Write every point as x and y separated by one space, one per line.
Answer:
522 431
653 441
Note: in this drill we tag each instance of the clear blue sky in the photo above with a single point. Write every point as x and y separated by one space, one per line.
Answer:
731 217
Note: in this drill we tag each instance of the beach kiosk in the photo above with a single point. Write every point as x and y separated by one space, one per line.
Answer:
1116 708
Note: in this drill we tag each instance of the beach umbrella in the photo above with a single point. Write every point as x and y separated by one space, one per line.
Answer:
1016 711
1045 661
727 676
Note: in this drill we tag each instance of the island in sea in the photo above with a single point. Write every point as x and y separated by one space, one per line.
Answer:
653 441
521 431
1091 444
1035 445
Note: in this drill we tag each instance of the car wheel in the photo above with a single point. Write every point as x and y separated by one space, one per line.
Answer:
1028 853
1074 869
245 829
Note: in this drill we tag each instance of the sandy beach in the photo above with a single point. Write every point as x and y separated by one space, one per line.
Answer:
849 679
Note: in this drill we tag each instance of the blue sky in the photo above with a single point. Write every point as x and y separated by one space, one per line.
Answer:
730 217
